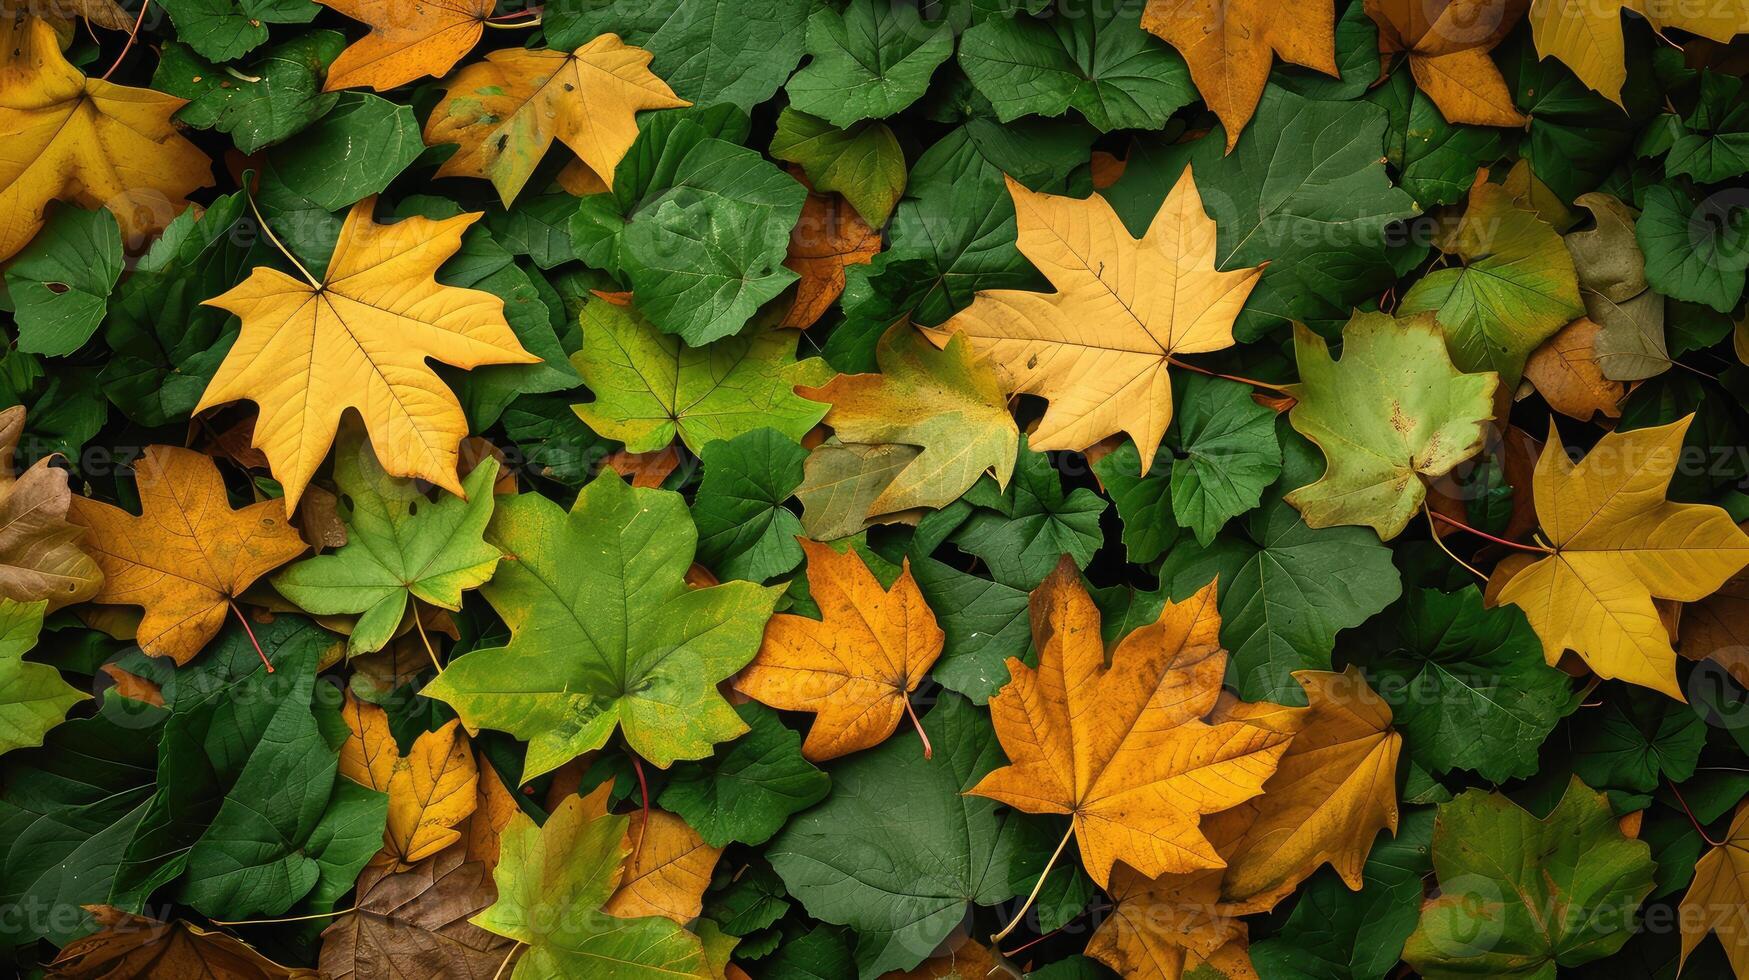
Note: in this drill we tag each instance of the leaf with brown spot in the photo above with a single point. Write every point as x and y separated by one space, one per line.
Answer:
40 553
188 555
1125 748
856 666
667 872
135 946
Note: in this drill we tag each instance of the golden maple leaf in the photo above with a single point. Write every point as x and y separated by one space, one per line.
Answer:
89 142
360 339
505 112
667 869
1124 749
1448 43
406 40
1230 45
1716 897
187 555
855 666
1333 791
432 789
1586 35
1615 543
1098 348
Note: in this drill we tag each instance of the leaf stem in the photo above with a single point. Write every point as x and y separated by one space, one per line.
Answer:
252 640
515 945
132 36
1434 531
419 624
1460 525
1697 827
928 750
289 918
1042 875
265 230
508 24
1175 362
644 793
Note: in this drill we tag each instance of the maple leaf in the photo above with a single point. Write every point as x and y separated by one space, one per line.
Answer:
604 632
90 142
856 665
136 946
1230 45
414 923
505 112
399 546
828 238
1516 288
667 871
406 41
1615 544
40 557
188 555
1716 897
1334 789
1390 415
1586 35
966 433
650 386
1124 307
1448 43
553 881
431 789
364 334
1124 749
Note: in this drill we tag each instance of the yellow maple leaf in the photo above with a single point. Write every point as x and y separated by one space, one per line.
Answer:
854 667
1586 35
1099 347
1448 43
666 872
89 142
406 40
1230 45
1717 896
1333 791
360 339
1615 543
1124 749
187 555
431 789
505 112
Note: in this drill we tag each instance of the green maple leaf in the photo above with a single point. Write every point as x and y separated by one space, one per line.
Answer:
284 97
986 623
1522 897
1516 288
399 546
749 787
898 853
650 387
744 529
61 282
869 62
1033 524
1467 685
1100 63
604 633
1390 415
1713 145
33 697
1285 589
864 163
1218 457
552 883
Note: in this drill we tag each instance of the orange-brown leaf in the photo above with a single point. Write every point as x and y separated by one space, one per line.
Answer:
854 667
828 238
188 554
1448 43
40 555
1125 748
135 946
668 867
407 41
